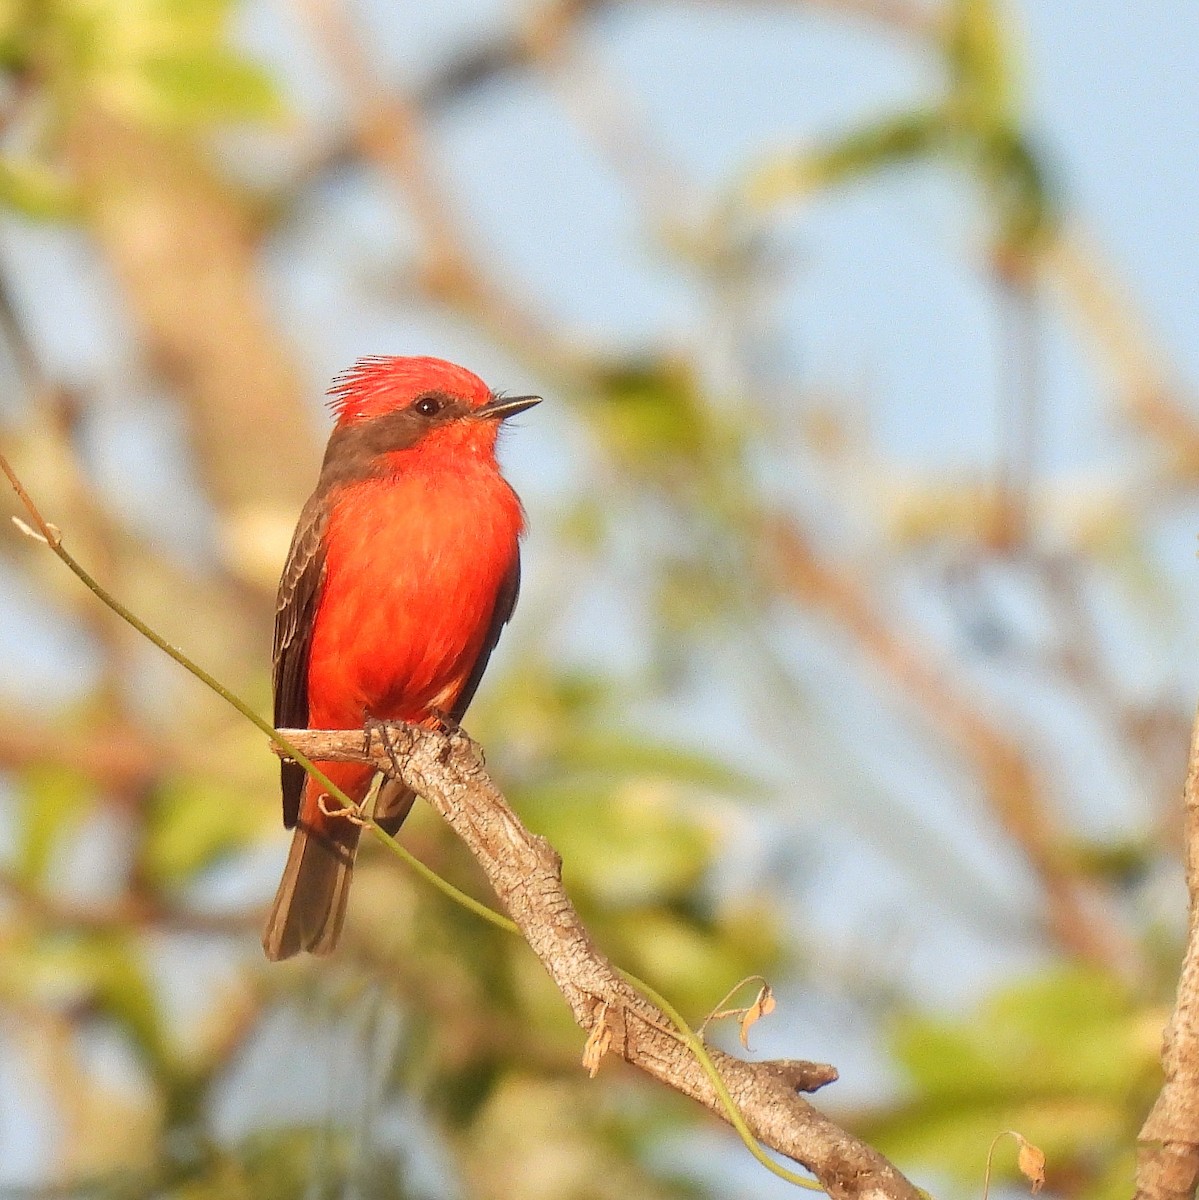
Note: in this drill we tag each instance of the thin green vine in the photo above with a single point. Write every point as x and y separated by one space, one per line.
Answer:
51 536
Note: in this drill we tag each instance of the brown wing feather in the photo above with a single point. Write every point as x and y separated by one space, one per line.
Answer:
505 605
299 595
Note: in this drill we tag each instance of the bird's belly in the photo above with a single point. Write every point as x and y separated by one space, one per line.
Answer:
412 576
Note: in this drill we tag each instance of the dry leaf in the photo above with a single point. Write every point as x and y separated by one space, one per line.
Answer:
1031 1161
761 1007
1029 1158
29 531
599 1042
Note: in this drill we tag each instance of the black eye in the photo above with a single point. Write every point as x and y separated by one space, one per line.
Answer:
429 406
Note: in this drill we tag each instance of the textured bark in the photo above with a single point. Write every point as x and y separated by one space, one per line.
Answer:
1168 1151
525 872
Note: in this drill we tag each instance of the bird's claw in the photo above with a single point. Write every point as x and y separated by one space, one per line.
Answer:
444 722
372 726
437 722
354 818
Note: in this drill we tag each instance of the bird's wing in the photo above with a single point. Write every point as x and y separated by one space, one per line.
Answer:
505 604
295 615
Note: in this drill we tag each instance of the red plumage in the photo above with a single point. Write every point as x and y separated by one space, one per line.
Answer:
403 570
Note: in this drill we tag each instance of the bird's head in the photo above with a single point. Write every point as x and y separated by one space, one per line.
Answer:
392 405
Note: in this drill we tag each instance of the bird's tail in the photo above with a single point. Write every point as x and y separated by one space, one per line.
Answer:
310 905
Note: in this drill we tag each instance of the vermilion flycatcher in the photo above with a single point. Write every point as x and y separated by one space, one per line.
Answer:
404 568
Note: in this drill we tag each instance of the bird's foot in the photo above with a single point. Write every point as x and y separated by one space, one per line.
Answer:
350 814
372 726
452 731
443 722
436 722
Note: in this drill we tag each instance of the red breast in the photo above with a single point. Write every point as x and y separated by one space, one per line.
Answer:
414 562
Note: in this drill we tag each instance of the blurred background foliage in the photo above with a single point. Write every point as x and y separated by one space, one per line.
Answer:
882 702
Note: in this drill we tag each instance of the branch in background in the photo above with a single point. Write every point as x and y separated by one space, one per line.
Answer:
1150 397
525 872
135 910
389 130
901 16
1077 918
1168 1150
220 614
606 112
509 53
51 443
118 756
182 247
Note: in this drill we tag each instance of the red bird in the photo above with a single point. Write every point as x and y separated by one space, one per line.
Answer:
404 567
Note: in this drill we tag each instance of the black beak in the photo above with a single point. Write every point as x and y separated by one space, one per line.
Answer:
500 408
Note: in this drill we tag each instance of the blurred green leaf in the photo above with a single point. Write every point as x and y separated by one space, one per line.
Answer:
299 1162
1076 1029
538 1138
693 962
161 61
209 87
650 412
622 755
909 137
194 822
976 126
14 31
537 691
116 965
290 1163
1024 207
54 800
1069 1059
94 971
1125 862
982 64
637 849
35 191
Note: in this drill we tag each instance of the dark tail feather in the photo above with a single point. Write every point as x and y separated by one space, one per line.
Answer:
310 904
392 805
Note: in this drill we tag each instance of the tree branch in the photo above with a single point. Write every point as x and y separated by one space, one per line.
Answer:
525 872
1168 1146
1079 916
390 131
